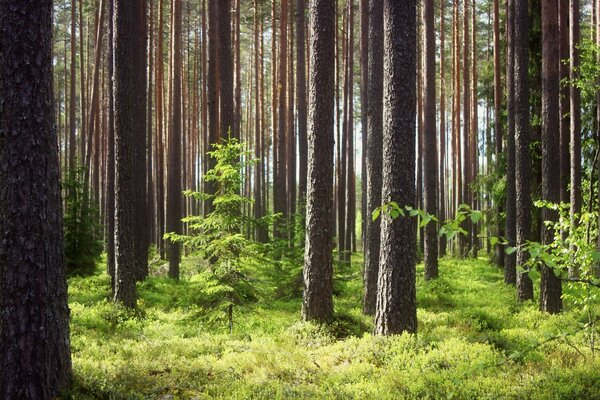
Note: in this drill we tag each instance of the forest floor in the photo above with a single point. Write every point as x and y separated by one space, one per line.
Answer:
474 342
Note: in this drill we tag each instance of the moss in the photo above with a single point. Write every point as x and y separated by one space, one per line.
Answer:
474 342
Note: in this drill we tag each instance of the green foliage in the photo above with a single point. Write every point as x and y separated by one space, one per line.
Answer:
83 232
220 237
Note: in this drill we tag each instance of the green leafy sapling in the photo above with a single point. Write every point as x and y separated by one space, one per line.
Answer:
220 236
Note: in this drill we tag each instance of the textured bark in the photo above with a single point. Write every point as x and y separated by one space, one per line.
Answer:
350 196
550 285
261 231
364 107
442 134
174 197
510 272
110 157
279 179
138 61
396 297
430 161
575 113
465 241
341 145
522 141
318 261
160 129
130 83
301 97
34 316
499 250
564 102
212 98
374 153
150 227
72 91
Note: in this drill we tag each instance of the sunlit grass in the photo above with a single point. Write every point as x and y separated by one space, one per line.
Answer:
475 342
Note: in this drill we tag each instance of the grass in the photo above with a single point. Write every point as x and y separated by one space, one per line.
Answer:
474 342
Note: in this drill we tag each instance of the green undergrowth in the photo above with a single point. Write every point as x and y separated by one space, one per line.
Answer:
474 342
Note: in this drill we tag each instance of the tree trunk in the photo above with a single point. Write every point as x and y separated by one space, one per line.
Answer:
442 134
350 195
374 153
110 157
522 141
430 162
575 113
318 261
225 70
174 199
364 106
279 181
396 298
550 285
34 319
130 86
301 98
510 271
565 108
498 125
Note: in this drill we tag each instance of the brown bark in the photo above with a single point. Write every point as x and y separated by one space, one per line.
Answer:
564 102
301 97
279 179
34 317
174 198
396 298
430 161
522 141
318 261
499 250
575 113
550 285
510 272
374 154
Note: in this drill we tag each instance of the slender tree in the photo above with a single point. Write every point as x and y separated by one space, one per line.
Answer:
510 271
550 285
174 199
522 141
575 113
396 296
279 179
430 162
110 157
301 97
564 101
374 153
34 317
226 95
498 123
318 262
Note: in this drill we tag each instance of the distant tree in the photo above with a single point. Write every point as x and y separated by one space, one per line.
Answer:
318 260
510 271
575 114
550 284
174 198
34 317
396 298
430 161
